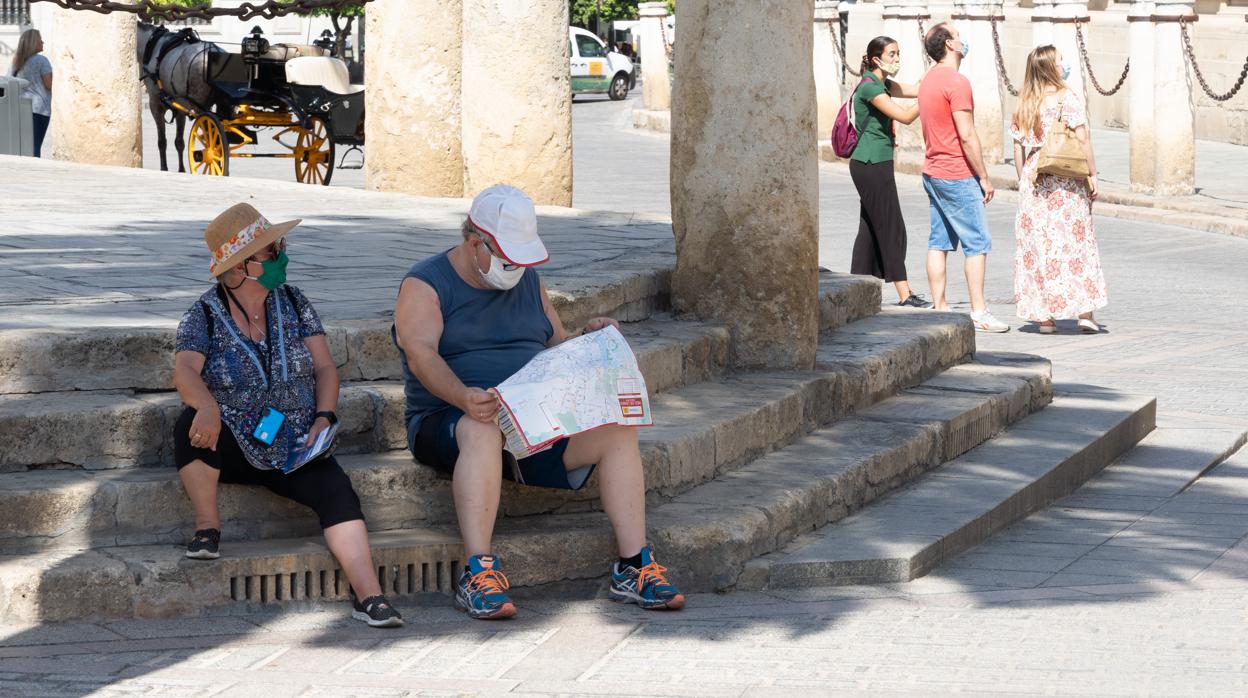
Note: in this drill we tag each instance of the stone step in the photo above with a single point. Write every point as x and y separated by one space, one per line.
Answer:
959 505
706 534
702 430
142 358
97 430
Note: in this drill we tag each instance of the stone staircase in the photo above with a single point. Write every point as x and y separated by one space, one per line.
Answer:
739 465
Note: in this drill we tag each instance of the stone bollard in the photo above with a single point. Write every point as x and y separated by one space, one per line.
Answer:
1140 96
656 82
745 181
827 64
1041 24
1068 14
97 97
517 98
905 21
1174 149
980 67
413 135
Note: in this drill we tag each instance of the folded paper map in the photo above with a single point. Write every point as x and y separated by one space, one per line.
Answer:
584 383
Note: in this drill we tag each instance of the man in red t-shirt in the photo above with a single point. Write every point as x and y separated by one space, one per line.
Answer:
954 174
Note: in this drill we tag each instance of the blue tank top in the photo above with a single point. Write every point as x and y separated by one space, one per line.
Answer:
487 335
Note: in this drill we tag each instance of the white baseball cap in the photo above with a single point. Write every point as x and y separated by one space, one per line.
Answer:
507 216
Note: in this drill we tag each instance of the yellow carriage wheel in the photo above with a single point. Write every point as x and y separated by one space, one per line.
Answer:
314 153
209 153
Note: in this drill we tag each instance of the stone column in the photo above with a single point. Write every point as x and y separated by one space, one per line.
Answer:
980 66
413 98
901 22
745 181
1041 24
1174 149
97 98
656 83
517 98
1140 96
827 64
1065 15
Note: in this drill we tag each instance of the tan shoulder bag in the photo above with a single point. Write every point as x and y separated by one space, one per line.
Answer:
1061 154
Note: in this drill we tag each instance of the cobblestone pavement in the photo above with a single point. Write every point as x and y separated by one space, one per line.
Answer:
1135 585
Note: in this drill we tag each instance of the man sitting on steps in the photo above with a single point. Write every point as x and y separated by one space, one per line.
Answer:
465 321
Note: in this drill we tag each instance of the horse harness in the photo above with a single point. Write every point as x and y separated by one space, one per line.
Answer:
161 43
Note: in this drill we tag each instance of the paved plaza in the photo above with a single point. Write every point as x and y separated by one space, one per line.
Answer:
1137 584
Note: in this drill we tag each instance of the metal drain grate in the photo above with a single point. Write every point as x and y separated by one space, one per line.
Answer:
399 578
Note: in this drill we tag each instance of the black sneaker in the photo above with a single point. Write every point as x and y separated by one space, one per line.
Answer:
376 611
914 300
204 544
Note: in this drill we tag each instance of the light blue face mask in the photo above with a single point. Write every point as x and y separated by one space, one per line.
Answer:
966 47
1065 70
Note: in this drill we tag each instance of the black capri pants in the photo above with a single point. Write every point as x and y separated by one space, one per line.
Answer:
320 485
880 248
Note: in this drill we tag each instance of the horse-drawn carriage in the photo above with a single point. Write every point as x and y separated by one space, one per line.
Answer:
229 96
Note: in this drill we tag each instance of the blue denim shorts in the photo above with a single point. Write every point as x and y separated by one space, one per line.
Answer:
957 216
435 445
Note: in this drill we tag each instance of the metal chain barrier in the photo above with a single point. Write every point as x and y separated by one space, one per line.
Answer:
1204 85
840 50
996 45
668 47
1087 65
270 9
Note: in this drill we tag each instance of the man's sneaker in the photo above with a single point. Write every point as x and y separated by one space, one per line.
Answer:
482 589
204 544
914 300
376 611
646 587
985 322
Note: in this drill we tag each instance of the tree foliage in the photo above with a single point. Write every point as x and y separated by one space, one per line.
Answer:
582 12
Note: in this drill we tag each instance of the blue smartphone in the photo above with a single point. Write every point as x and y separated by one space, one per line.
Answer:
266 430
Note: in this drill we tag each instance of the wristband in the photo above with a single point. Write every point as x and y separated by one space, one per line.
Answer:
327 414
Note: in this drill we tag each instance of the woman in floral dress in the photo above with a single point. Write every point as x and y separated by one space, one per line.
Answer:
1057 267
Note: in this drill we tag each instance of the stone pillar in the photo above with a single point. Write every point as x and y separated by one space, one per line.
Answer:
745 181
902 19
1140 96
827 64
1175 143
980 67
97 97
1065 15
1041 25
656 83
413 134
517 98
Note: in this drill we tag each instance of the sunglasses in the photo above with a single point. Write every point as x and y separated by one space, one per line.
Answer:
489 246
269 253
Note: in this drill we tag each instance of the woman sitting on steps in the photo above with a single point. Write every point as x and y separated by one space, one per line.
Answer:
255 373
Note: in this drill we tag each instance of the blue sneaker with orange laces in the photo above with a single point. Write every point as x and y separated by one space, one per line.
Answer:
647 587
482 589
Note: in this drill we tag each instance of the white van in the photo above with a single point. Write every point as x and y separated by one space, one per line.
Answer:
597 70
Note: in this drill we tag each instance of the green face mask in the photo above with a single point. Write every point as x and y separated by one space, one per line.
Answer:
274 271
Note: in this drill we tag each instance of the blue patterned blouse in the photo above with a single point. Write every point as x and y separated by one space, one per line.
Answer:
245 377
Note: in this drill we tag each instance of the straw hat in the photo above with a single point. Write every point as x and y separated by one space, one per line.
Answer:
238 233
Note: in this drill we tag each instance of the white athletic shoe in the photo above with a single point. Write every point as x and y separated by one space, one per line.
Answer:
985 322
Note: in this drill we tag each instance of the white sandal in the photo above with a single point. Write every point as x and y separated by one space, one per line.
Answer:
1047 329
1089 326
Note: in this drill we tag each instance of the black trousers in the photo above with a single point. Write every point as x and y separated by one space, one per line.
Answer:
320 485
880 248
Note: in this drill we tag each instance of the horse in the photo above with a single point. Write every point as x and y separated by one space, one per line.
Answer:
174 65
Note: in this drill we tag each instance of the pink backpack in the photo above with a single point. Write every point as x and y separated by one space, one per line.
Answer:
844 131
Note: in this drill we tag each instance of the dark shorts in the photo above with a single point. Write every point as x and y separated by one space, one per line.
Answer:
320 485
436 447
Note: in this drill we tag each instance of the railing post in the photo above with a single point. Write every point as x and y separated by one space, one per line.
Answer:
827 63
903 20
656 90
1041 24
1173 111
1067 15
980 66
1140 96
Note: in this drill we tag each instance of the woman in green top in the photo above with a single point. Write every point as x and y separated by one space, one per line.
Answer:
880 249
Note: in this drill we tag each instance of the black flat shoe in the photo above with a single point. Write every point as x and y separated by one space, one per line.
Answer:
204 544
914 300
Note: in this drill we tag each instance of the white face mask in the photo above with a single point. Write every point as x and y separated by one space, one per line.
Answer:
499 278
